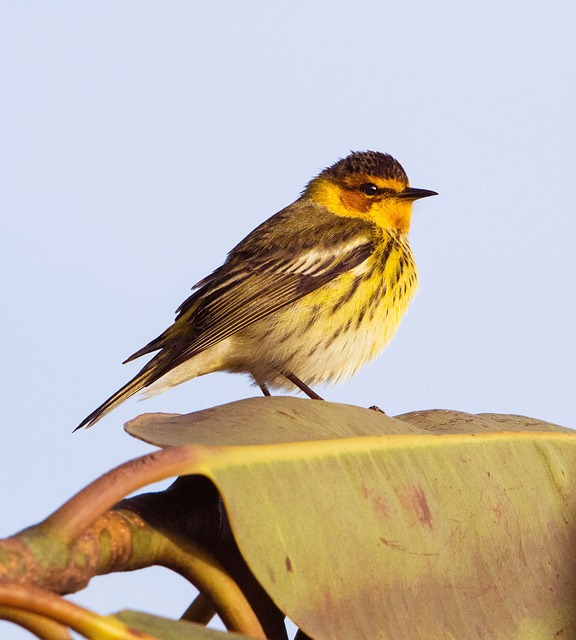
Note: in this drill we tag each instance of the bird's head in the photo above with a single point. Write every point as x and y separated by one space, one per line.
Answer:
369 185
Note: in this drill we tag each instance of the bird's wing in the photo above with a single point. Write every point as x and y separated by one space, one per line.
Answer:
256 287
277 264
244 290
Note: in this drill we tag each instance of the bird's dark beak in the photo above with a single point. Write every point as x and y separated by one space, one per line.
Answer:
415 194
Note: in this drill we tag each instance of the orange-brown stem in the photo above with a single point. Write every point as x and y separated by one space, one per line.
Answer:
49 605
72 518
38 625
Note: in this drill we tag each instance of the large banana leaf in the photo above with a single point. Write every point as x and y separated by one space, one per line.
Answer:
441 526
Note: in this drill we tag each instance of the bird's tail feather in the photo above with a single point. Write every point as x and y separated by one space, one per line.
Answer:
129 389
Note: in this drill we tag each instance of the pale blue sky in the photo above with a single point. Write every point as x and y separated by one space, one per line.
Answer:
139 141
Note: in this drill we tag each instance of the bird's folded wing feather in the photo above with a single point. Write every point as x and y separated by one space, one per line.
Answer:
251 291
255 282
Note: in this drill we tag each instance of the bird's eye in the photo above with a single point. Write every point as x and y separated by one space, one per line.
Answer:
369 189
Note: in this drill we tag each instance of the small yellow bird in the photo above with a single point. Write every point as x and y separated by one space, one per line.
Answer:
308 297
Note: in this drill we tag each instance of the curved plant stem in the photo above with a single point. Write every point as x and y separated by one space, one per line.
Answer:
195 563
36 624
215 583
200 611
73 517
49 605
137 543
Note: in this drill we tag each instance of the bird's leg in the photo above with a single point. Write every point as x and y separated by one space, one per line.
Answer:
264 389
301 385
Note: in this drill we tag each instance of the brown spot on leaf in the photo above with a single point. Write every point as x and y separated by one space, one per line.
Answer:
392 544
419 504
288 564
377 500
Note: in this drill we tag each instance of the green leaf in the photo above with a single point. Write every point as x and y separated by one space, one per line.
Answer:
264 421
444 528
165 629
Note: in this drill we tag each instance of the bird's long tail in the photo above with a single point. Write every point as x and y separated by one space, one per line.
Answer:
137 383
168 356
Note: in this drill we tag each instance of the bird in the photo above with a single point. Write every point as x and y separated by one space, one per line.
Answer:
308 297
